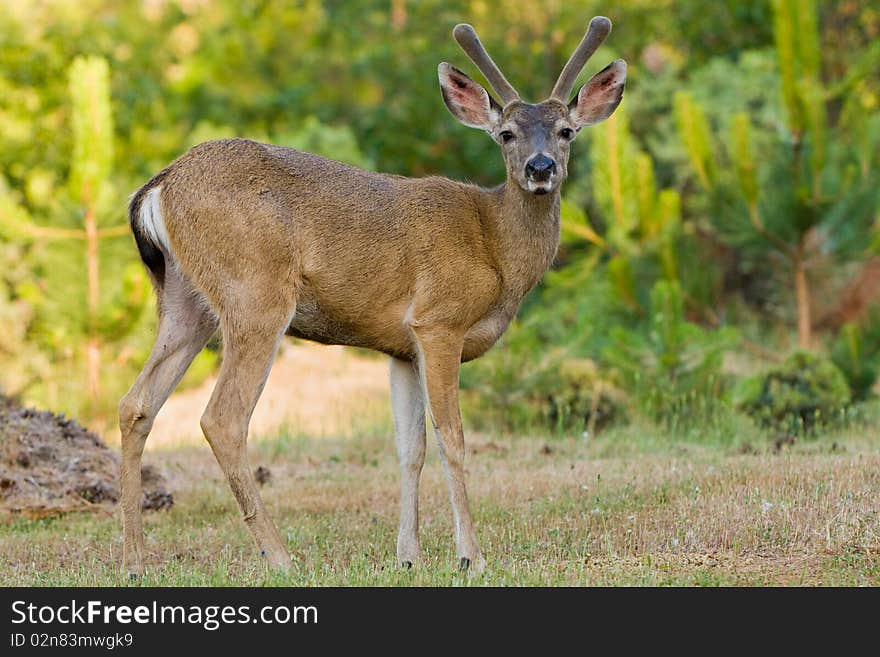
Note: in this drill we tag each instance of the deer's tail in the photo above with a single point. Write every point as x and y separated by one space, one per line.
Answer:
148 227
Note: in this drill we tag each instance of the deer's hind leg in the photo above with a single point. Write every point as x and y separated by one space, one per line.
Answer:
185 325
251 334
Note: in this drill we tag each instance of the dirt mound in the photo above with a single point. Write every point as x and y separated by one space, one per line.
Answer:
50 464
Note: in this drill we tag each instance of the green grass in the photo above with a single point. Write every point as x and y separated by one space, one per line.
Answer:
632 507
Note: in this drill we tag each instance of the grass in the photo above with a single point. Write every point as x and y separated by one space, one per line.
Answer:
627 508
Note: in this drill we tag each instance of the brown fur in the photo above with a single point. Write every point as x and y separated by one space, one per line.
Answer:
358 263
264 240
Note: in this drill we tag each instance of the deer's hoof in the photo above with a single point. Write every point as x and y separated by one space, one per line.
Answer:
407 565
472 566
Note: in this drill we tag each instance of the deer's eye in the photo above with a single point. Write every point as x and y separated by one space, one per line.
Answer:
506 135
566 133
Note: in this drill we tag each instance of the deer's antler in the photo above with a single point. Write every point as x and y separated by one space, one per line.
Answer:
467 39
600 28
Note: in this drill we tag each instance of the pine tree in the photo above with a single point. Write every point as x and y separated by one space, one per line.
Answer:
640 222
89 172
84 289
798 192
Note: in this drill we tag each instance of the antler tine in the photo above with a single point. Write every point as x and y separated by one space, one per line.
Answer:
467 39
599 29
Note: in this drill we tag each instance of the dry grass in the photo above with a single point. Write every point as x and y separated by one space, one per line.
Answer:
559 512
630 507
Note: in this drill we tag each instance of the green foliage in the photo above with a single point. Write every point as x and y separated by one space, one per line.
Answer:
777 148
743 158
642 227
21 361
672 366
784 30
337 142
615 170
120 314
856 353
81 283
796 196
92 126
802 394
562 393
579 396
694 129
544 371
797 46
638 220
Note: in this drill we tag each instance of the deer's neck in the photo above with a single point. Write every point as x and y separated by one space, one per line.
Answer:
526 235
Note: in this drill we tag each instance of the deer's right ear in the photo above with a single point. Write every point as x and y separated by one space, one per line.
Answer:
467 100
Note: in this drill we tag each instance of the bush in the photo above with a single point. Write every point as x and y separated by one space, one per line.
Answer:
543 373
576 396
516 390
800 395
672 366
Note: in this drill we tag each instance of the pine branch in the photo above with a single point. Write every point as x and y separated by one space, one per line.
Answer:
37 231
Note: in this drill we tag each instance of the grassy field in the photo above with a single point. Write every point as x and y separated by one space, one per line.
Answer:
627 508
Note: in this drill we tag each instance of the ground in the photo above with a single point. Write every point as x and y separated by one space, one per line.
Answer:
51 465
549 512
628 507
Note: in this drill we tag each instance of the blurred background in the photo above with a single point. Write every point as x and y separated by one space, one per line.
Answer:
718 265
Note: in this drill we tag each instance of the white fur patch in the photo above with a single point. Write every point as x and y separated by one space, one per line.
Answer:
544 185
152 221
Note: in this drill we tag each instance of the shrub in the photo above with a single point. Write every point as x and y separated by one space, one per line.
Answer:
516 390
543 373
804 392
674 367
577 396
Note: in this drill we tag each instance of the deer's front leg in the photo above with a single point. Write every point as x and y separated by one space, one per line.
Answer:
439 363
408 406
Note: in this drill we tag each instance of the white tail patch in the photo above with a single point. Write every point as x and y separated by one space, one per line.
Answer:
152 221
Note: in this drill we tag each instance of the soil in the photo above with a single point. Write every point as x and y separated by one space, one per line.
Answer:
50 464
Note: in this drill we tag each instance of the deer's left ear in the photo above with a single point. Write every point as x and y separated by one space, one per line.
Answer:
467 100
600 96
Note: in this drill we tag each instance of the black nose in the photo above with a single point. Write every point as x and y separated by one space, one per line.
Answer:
540 168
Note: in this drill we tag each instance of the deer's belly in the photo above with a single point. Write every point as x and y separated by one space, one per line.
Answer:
319 324
313 322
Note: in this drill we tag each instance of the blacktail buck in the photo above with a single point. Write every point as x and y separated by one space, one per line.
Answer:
261 241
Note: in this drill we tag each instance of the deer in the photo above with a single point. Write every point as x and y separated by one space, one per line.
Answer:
259 241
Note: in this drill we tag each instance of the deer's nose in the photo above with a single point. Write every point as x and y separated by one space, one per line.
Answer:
540 168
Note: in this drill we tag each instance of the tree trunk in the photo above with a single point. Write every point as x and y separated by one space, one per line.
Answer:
802 295
398 14
93 349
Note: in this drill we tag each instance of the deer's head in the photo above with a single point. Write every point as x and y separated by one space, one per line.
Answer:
534 139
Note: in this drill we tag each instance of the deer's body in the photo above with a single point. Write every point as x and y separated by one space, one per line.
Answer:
389 252
261 240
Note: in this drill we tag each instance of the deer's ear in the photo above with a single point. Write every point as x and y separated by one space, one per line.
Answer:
467 100
600 96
